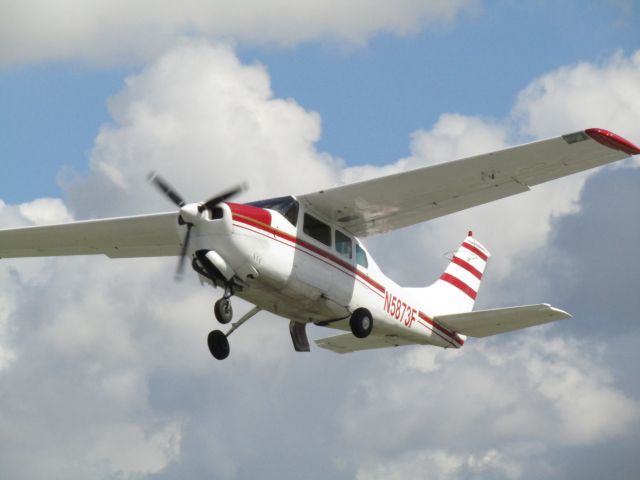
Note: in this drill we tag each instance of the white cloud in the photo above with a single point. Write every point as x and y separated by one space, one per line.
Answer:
45 211
583 95
108 30
440 464
130 452
206 122
534 390
20 274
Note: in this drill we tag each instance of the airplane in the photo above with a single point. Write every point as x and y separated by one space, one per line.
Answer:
300 256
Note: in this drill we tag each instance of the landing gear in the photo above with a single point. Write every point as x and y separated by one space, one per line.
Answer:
218 341
222 308
218 344
223 311
361 323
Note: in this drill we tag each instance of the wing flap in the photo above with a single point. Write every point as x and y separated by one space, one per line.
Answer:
386 203
136 236
483 323
348 343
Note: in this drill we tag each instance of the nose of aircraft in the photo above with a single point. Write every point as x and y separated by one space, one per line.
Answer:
191 212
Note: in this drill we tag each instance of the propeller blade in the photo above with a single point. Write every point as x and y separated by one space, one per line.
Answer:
183 253
166 189
190 213
212 202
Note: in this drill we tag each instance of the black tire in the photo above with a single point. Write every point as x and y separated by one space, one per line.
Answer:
218 344
361 323
223 311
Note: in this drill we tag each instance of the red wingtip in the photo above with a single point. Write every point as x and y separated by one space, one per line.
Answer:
612 140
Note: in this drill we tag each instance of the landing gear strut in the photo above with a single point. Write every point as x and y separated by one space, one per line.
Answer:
218 341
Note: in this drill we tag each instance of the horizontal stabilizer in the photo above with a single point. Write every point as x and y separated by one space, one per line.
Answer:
348 343
483 323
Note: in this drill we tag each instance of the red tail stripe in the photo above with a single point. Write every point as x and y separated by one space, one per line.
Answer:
468 267
459 284
476 250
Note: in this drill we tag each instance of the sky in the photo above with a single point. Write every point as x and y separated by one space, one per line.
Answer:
104 370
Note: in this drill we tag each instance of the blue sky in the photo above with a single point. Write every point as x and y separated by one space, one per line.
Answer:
112 352
370 97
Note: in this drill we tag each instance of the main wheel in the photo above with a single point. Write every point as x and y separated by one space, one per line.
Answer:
218 344
361 323
223 310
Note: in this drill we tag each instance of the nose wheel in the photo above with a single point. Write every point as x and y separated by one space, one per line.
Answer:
223 310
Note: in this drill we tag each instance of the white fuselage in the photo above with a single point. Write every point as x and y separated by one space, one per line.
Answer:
288 272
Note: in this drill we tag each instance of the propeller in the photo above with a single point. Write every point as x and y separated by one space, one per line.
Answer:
189 212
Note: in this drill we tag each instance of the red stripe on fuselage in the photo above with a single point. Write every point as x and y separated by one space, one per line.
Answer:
240 217
436 326
249 211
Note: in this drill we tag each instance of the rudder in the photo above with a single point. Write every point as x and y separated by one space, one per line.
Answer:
457 288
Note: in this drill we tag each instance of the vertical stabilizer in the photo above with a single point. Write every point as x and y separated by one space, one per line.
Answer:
457 288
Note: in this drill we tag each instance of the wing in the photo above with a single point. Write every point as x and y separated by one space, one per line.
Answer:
348 343
137 236
483 323
395 201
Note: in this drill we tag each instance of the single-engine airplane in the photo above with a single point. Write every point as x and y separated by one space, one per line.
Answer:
300 257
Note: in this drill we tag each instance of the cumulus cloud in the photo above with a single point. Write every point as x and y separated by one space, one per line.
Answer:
583 95
123 31
440 464
206 122
18 273
112 352
536 390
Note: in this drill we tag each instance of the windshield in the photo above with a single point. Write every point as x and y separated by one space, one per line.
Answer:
287 206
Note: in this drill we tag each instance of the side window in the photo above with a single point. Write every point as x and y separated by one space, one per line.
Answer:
317 229
343 244
361 256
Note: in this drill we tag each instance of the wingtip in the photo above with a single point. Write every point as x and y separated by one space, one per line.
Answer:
611 140
560 314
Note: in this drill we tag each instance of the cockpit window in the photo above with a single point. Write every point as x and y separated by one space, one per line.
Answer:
317 229
343 244
361 256
287 206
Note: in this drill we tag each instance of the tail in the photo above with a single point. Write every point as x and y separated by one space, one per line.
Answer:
456 289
